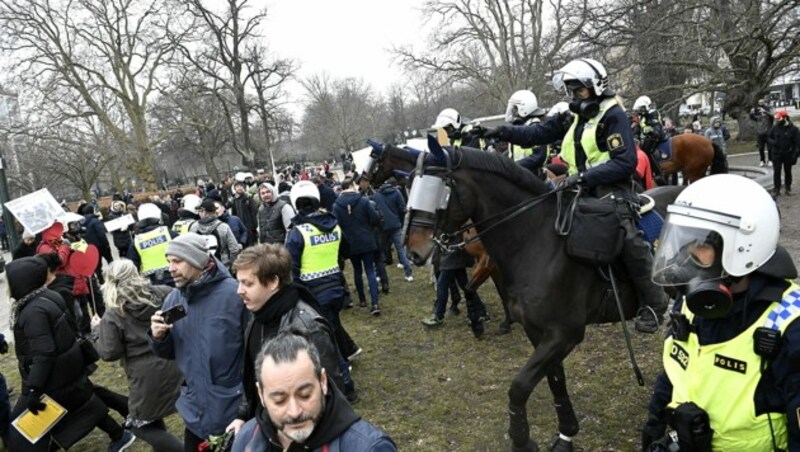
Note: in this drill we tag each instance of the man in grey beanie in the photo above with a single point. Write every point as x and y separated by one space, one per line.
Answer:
207 344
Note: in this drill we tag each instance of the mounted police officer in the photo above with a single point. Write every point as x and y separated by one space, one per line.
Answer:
459 133
523 110
731 378
650 124
149 246
599 150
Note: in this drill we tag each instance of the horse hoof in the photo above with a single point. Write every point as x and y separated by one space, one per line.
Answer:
560 445
530 447
477 329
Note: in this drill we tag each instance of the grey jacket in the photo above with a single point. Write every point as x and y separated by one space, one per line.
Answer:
228 246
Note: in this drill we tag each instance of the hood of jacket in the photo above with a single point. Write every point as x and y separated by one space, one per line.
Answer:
337 417
324 221
144 311
214 272
25 275
348 198
55 231
272 189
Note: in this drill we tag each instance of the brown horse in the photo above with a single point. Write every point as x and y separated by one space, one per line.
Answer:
388 160
689 153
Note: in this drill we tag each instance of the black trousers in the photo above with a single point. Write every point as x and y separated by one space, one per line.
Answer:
761 140
782 162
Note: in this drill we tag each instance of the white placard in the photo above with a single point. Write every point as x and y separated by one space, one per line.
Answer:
35 211
119 224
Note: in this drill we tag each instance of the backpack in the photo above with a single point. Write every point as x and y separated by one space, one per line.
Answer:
213 241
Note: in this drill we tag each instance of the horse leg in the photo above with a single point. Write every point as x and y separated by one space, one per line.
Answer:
567 421
505 326
548 354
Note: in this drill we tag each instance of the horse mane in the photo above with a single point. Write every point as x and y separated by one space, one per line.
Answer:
501 166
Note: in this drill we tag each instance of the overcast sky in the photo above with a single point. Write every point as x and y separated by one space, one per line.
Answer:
343 37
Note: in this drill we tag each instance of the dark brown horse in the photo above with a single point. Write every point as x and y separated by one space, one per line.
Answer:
689 153
551 295
388 160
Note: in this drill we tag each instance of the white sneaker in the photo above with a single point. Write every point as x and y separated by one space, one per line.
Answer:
761 164
400 266
769 163
355 353
409 278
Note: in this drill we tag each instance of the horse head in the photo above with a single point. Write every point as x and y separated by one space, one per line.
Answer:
387 160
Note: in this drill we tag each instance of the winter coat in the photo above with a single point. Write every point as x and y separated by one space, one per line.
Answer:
293 307
763 118
327 288
339 428
48 354
246 208
391 204
274 218
785 139
122 238
719 136
153 382
357 218
96 235
238 228
208 346
227 245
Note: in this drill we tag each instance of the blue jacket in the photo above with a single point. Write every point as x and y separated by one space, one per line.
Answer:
208 346
237 227
327 288
391 204
339 428
326 197
618 169
357 218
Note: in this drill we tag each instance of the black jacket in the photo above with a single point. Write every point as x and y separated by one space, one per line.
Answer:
50 359
785 139
96 235
294 306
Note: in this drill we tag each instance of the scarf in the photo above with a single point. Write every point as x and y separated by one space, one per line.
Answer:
17 305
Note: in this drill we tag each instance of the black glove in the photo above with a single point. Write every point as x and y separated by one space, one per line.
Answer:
500 132
3 345
35 403
572 180
654 429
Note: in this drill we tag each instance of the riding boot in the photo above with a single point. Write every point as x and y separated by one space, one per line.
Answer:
476 312
638 263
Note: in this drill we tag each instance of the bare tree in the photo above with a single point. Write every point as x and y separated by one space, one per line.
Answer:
95 48
496 47
340 114
228 42
737 47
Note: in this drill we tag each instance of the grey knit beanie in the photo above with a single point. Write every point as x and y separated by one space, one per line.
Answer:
191 248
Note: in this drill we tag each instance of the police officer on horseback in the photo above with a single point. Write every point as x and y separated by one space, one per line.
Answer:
459 133
650 124
599 150
731 378
523 110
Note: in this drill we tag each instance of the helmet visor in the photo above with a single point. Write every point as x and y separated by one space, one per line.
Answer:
569 82
686 253
512 112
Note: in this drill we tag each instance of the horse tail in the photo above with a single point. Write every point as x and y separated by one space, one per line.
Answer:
719 165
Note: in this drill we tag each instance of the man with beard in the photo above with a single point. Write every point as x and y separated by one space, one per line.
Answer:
303 408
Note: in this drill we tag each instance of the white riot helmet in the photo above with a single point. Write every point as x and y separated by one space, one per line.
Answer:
558 108
643 103
733 215
585 71
303 189
521 105
190 202
148 210
448 117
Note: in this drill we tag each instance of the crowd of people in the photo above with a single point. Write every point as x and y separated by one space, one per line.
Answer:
225 303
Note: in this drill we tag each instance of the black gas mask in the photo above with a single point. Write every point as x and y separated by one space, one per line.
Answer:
709 299
588 108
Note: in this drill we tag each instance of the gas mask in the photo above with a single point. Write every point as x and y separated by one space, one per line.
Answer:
588 108
709 299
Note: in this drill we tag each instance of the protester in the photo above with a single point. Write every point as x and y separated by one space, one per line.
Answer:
243 206
153 383
391 203
222 242
303 410
238 228
207 344
784 141
27 246
274 215
51 363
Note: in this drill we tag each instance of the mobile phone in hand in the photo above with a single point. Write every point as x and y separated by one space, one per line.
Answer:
174 314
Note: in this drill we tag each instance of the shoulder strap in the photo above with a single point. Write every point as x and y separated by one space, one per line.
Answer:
70 319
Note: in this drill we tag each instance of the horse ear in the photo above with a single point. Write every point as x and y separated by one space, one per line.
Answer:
377 147
436 149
